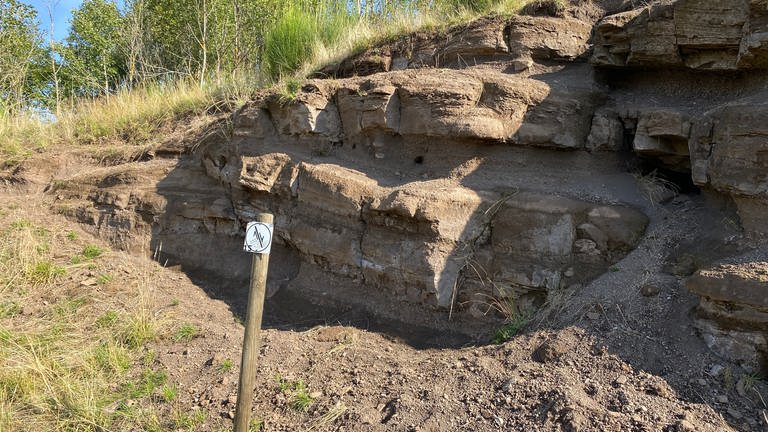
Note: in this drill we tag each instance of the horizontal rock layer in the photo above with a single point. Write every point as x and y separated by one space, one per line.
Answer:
694 34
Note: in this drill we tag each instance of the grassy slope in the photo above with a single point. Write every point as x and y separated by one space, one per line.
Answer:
73 334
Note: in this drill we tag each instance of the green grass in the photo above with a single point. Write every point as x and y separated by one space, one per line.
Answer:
225 365
92 252
510 329
169 393
108 319
43 272
148 382
289 90
300 398
68 307
9 309
257 425
103 279
288 42
128 116
306 37
189 420
186 333
112 356
140 329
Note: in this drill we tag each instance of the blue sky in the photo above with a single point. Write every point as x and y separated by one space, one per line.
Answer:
62 11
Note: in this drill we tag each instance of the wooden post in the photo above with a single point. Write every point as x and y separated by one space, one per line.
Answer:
251 340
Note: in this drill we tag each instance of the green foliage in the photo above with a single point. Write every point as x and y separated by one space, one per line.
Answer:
68 307
289 42
257 424
169 392
147 42
69 363
22 57
9 309
189 421
302 29
44 272
108 319
146 384
92 252
112 357
226 365
138 330
472 5
289 90
92 55
103 279
186 333
300 399
510 329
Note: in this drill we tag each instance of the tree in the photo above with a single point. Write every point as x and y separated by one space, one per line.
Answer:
21 56
93 57
207 37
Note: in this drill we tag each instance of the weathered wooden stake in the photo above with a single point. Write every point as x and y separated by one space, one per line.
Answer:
251 340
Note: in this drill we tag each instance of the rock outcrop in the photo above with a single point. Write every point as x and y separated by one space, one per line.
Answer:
729 153
693 34
733 313
504 159
374 221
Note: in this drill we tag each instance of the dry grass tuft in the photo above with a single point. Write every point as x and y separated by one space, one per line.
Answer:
72 353
129 117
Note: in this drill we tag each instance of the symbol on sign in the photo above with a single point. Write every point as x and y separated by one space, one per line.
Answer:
258 237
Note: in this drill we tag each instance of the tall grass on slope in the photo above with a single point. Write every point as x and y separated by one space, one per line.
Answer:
73 356
129 116
301 30
307 37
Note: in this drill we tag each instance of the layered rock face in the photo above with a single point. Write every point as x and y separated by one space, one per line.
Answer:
734 309
427 182
720 138
716 132
496 162
694 34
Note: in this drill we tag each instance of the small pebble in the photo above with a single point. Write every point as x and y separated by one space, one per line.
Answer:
649 290
685 426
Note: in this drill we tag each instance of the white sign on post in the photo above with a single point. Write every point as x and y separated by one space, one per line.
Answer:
258 237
